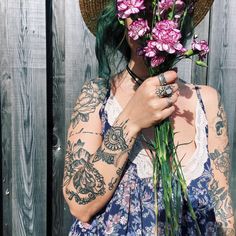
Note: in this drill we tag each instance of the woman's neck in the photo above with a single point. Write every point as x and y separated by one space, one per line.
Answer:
138 66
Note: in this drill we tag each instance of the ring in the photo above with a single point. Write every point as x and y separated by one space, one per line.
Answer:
164 91
162 79
169 101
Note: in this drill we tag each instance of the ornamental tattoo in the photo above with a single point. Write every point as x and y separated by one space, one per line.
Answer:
87 180
114 139
104 156
221 122
92 94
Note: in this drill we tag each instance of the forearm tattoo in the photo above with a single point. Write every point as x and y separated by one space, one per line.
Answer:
80 170
223 208
86 179
92 94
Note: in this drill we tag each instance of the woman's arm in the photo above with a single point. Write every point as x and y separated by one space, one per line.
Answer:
218 145
93 167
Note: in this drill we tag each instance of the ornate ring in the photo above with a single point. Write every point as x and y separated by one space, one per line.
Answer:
164 91
162 79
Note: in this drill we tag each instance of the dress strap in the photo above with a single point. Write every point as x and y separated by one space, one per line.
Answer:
199 96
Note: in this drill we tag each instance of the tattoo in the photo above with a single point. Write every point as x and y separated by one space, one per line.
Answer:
86 179
222 161
111 185
221 122
71 160
92 94
114 139
104 156
222 202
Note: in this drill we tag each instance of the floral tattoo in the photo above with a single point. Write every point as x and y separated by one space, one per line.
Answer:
92 94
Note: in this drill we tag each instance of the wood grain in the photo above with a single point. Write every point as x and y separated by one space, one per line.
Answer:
26 54
6 137
58 106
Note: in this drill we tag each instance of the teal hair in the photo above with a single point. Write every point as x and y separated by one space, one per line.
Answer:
110 37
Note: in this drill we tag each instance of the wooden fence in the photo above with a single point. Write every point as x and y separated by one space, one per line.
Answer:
46 54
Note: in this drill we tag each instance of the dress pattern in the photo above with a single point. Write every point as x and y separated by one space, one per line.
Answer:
130 212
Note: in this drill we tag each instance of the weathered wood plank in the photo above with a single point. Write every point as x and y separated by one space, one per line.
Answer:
26 53
5 89
58 78
222 68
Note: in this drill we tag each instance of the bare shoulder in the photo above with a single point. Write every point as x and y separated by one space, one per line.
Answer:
211 100
210 96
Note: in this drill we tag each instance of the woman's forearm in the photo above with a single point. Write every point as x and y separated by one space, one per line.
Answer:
91 179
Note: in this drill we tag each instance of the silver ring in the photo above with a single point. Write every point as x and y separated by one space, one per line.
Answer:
164 91
162 79
169 101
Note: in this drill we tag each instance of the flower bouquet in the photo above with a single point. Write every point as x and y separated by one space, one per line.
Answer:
162 27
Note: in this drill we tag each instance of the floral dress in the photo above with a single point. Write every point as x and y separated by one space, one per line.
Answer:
131 209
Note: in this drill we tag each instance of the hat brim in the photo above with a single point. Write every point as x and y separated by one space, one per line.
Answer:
91 10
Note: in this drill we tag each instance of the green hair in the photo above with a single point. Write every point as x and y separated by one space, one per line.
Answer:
110 37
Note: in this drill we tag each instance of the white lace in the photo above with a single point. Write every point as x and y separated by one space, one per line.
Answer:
192 169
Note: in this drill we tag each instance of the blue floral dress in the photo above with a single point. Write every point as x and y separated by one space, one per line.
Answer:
130 212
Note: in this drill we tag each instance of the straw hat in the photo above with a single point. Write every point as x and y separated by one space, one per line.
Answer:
91 9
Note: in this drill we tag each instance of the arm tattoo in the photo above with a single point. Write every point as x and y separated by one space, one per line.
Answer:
81 172
223 206
221 122
114 139
222 161
104 156
87 180
92 94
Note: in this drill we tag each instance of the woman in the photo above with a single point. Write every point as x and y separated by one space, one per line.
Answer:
108 170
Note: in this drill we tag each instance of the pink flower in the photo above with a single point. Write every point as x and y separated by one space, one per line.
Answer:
201 47
150 50
157 60
166 5
127 7
167 37
138 28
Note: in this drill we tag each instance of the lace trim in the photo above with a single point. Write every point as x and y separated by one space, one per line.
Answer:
192 169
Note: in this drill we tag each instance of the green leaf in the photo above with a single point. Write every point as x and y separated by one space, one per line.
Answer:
201 63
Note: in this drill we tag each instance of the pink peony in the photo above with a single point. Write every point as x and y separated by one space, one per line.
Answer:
201 47
128 7
167 37
138 28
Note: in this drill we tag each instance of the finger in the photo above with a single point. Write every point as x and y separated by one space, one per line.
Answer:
167 112
170 77
174 87
163 103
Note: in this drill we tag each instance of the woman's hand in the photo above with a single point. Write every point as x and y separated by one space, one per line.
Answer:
145 108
